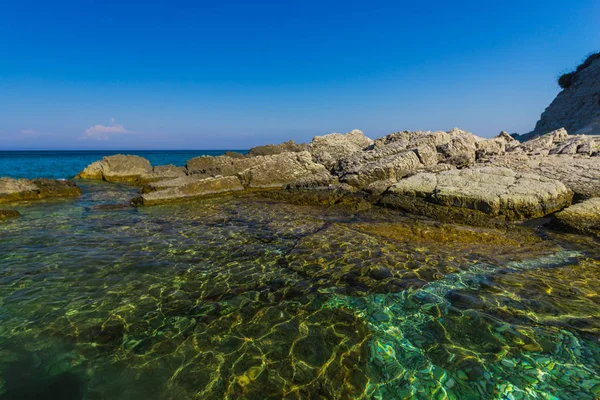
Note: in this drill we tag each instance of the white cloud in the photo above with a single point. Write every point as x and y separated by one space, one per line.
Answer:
103 132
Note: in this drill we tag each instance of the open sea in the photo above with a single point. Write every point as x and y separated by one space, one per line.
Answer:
247 297
67 164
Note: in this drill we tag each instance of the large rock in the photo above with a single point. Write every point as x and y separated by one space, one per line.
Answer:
186 188
278 170
545 143
576 108
272 149
7 214
13 190
476 195
118 168
221 165
329 149
582 217
400 154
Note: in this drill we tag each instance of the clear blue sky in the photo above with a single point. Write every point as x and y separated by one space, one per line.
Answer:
233 74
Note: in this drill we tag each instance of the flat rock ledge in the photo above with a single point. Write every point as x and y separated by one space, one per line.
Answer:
478 195
16 190
8 214
582 217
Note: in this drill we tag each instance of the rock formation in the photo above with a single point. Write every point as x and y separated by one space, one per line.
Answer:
453 176
583 217
577 107
7 214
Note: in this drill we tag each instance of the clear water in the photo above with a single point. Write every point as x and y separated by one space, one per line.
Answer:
249 298
67 164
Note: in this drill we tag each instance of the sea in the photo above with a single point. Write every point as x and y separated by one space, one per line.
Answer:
250 297
67 164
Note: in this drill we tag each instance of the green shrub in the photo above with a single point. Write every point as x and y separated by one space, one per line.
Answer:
566 80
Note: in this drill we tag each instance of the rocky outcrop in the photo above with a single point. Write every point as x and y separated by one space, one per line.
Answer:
400 154
273 149
8 214
476 195
14 190
582 217
329 149
220 165
278 170
576 108
186 188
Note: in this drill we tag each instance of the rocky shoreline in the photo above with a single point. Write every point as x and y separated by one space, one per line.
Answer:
451 176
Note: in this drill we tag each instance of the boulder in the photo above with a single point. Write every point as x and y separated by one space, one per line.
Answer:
478 195
7 214
329 149
273 149
582 217
578 144
119 168
13 190
278 170
220 165
545 143
460 148
186 188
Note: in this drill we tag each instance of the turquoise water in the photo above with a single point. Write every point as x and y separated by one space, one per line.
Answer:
67 164
251 298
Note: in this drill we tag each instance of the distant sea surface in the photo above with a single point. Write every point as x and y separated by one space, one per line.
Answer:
67 164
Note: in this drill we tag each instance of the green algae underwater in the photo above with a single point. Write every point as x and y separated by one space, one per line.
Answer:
253 298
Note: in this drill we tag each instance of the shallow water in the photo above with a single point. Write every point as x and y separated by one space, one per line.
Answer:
249 298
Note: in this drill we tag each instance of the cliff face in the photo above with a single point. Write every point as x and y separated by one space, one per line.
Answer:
576 108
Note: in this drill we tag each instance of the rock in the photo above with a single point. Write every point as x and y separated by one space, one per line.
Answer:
7 214
329 149
476 195
168 171
582 217
545 143
578 144
233 154
278 170
400 154
119 168
273 149
576 108
460 148
12 190
186 188
221 165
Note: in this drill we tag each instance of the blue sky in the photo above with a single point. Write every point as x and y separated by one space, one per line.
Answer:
234 74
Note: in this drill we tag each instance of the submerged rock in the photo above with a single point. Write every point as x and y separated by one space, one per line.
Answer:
187 188
582 217
12 190
474 195
7 214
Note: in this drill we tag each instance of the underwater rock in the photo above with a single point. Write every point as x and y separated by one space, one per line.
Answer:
187 188
14 190
470 195
7 214
582 217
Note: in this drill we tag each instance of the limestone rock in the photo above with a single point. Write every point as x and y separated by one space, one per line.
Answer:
272 149
7 214
328 149
545 143
474 194
220 165
578 144
186 188
582 217
118 168
13 190
460 149
278 170
576 108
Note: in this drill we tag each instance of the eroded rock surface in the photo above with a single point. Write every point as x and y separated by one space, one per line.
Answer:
476 193
8 214
188 188
329 149
119 168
